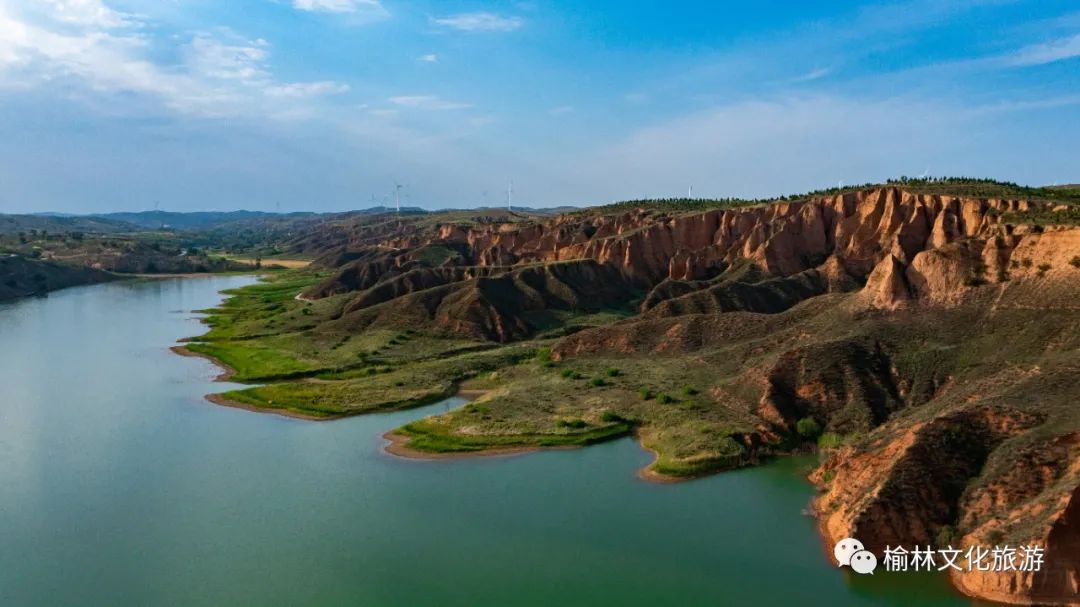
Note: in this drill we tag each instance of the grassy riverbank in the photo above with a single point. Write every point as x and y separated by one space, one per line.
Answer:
307 366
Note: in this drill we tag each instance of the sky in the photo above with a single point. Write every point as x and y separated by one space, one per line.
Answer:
325 105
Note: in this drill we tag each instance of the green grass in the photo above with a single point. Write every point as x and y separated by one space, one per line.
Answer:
429 435
251 362
725 454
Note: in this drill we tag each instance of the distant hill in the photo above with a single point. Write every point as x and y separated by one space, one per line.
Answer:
20 277
154 220
13 224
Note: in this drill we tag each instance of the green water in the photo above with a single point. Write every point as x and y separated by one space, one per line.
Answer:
120 485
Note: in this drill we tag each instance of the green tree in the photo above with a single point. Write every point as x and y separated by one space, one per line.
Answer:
808 428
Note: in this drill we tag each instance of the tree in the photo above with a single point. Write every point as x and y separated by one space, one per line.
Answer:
808 428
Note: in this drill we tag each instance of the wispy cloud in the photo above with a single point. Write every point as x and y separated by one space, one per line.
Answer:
427 102
812 75
480 22
240 60
299 90
1050 52
560 110
338 6
429 58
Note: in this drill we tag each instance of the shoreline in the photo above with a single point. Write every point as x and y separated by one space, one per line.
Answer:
649 475
252 272
227 372
220 400
398 445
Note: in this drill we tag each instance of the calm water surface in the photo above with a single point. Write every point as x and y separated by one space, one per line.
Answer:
120 485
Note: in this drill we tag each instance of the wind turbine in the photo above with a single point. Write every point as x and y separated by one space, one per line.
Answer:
397 197
510 196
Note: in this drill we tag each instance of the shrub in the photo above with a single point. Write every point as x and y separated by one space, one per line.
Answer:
598 382
1043 269
568 373
543 355
1075 262
808 427
645 394
830 440
613 372
576 375
689 391
946 536
572 423
612 417
664 399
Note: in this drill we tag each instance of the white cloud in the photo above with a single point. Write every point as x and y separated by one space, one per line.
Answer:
815 74
1040 54
240 60
562 109
83 42
307 89
427 102
429 58
480 22
337 6
85 12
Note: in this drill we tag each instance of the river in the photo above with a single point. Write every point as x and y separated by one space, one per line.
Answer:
121 485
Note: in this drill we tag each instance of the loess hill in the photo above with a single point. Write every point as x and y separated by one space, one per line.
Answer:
925 337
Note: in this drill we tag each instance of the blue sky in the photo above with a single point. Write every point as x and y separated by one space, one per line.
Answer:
325 104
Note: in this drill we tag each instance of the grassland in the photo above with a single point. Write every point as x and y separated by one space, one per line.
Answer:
305 366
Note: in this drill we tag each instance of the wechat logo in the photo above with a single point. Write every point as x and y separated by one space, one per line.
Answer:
850 552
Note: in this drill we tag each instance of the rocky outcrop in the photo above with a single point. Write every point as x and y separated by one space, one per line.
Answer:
1035 501
490 303
906 248
905 485
846 386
